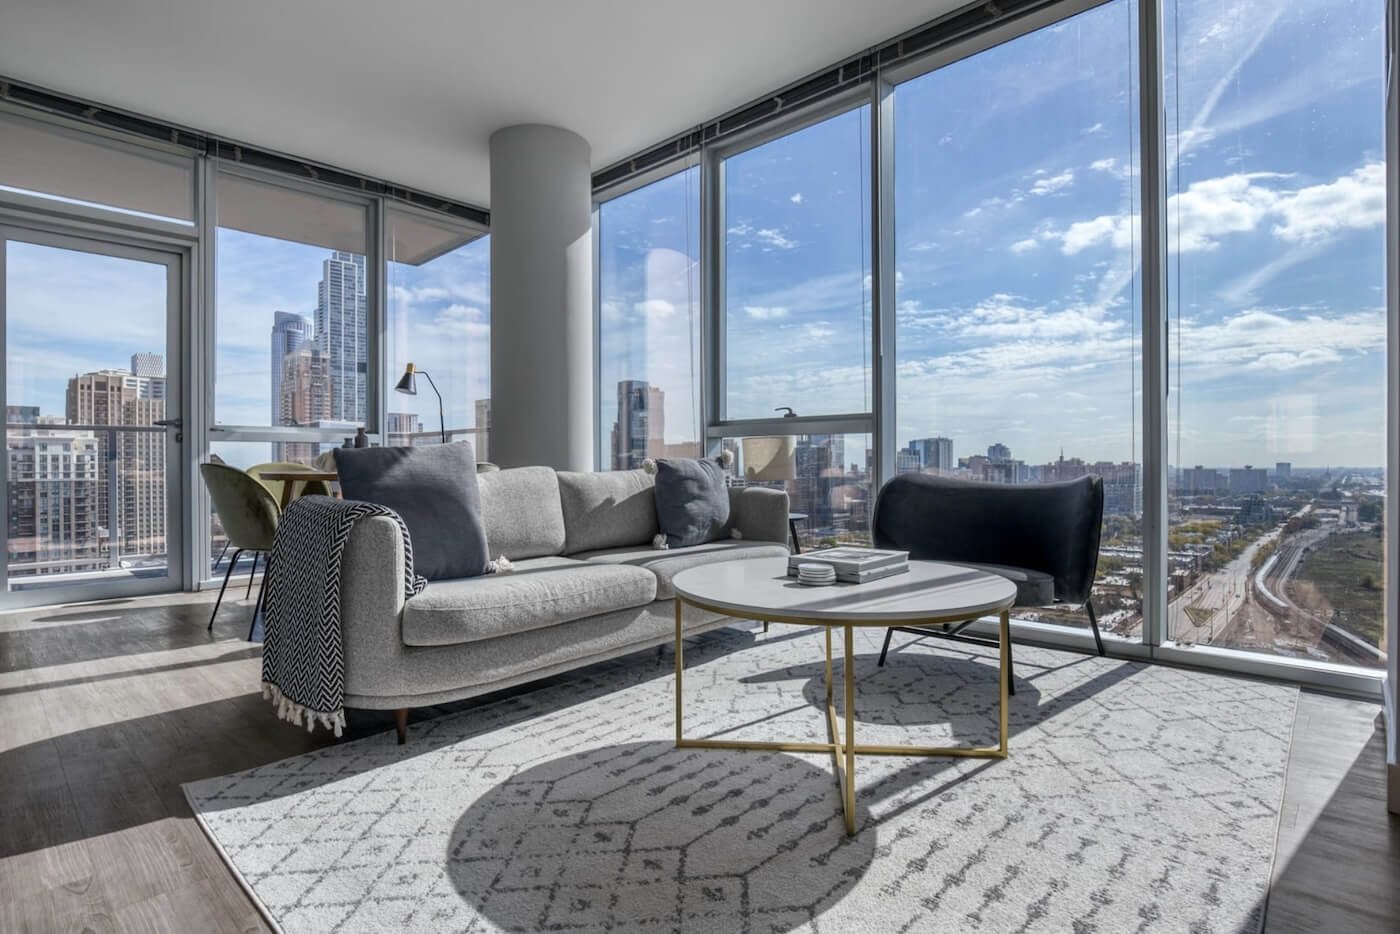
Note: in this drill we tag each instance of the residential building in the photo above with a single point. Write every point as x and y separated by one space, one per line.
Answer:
342 333
289 332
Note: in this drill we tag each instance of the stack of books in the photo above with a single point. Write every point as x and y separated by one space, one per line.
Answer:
853 564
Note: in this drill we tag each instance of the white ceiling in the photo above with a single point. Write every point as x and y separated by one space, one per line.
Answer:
410 92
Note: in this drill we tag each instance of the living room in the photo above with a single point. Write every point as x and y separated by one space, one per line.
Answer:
783 466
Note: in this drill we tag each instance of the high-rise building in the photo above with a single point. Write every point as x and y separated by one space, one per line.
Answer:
998 452
307 399
52 517
1122 487
131 463
1283 470
639 431
289 332
342 324
907 460
402 426
935 454
147 364
1198 479
483 425
1248 479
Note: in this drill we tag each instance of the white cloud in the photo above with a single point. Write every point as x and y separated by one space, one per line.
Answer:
1207 211
765 312
1024 246
796 198
1353 202
1094 130
654 308
1049 185
775 238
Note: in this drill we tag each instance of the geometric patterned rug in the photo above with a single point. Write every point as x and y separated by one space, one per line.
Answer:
1136 798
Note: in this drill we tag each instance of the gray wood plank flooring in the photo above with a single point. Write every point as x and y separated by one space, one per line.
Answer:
106 708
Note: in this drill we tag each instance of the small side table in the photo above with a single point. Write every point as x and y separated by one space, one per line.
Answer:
793 519
290 478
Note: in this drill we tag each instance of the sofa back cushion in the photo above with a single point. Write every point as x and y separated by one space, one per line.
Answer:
607 510
521 510
433 489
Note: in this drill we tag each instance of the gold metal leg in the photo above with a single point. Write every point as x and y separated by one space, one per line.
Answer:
1005 673
679 665
849 799
844 748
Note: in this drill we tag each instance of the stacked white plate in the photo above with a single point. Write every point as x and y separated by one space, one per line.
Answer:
816 575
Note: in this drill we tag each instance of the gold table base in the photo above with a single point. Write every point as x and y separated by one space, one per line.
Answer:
844 752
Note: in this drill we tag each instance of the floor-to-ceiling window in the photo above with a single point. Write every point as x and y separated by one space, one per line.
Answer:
795 234
649 322
291 326
439 301
1276 229
1017 305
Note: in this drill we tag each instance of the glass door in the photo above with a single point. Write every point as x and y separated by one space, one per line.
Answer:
92 418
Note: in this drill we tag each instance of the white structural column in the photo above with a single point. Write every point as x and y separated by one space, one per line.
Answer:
541 298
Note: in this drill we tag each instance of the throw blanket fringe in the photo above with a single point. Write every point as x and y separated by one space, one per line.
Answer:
303 663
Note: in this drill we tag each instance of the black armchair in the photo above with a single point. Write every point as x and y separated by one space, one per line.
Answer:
1042 536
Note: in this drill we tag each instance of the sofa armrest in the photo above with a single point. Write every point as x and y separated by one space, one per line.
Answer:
760 514
371 607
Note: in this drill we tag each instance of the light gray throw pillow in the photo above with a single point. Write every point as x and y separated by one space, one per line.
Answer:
692 503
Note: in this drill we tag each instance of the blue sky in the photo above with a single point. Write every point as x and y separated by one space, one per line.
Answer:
1017 283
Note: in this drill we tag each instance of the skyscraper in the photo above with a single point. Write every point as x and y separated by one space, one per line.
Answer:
52 516
935 454
342 323
483 432
998 452
306 398
131 464
640 425
289 332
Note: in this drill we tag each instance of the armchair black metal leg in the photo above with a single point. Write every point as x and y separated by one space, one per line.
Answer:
1010 670
236 555
1094 624
251 574
884 649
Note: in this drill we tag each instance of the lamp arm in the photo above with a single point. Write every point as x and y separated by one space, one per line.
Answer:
442 422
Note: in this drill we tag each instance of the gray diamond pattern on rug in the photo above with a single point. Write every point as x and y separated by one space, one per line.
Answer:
1136 798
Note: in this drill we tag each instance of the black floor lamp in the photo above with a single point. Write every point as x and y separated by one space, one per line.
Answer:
408 385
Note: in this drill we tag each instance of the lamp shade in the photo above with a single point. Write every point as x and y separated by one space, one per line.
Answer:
408 383
770 459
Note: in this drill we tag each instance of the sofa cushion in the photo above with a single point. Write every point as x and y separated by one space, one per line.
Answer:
666 564
539 592
433 489
692 502
1033 588
606 510
520 508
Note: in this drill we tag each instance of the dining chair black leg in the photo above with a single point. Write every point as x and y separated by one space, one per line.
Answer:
262 590
251 574
884 649
236 555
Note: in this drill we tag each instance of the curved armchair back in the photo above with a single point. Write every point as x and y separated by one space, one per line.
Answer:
246 509
1048 527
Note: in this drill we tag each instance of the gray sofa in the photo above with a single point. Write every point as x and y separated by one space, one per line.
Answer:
586 585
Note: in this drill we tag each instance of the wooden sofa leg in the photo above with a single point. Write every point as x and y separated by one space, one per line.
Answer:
401 724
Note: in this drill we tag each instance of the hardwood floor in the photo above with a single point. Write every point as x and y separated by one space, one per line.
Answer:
105 709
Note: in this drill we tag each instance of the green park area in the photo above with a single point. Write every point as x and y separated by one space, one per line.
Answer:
1346 572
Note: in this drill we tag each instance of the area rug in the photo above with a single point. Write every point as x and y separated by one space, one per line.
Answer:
1136 798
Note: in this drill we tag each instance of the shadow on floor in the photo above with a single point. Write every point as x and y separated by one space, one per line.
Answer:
648 836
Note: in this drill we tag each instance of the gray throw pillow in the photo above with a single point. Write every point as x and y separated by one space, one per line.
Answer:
433 489
692 503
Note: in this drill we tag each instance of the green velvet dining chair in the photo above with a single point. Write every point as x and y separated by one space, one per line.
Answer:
248 513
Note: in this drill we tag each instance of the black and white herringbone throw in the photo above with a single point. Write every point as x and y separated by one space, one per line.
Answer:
303 668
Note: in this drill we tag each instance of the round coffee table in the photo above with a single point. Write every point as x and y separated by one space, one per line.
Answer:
929 594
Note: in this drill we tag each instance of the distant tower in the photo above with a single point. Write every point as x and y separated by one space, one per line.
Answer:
289 332
341 325
640 425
